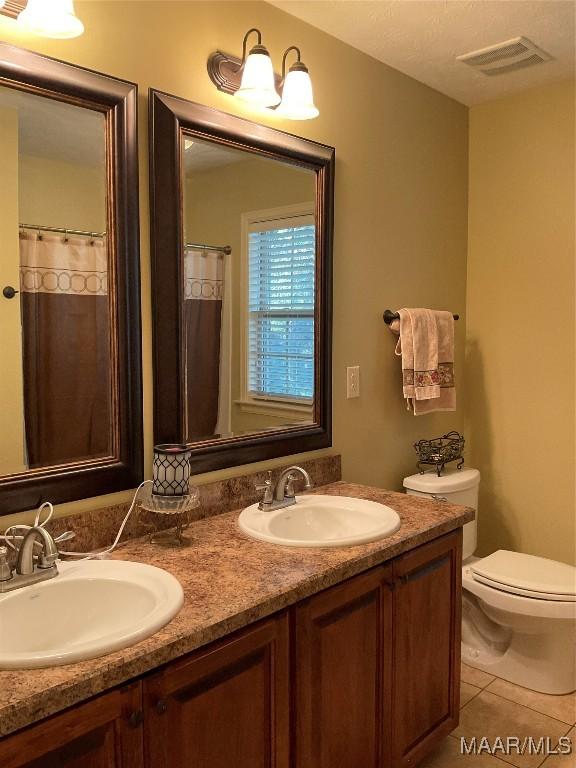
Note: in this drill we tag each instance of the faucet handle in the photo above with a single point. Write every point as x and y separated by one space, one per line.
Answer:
5 568
49 553
290 493
268 487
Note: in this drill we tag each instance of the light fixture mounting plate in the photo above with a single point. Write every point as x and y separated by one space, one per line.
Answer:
225 72
12 8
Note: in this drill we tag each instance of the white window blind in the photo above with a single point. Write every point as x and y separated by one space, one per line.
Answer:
281 260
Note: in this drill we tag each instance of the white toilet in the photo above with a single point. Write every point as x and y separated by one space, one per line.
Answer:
518 611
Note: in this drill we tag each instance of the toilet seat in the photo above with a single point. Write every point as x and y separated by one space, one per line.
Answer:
510 589
526 575
522 605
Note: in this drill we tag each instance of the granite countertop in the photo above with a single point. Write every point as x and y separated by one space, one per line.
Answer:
229 581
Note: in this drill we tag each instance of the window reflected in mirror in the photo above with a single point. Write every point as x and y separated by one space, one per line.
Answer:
249 267
57 350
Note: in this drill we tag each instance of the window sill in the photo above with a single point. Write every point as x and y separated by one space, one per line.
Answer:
276 408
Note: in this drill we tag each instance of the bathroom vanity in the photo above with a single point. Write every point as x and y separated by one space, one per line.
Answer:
280 657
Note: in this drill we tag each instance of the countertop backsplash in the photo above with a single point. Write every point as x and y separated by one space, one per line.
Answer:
97 529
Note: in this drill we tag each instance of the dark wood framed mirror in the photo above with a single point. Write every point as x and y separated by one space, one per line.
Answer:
71 405
241 226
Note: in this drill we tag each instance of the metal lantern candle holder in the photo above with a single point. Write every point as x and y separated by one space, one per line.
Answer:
171 470
171 494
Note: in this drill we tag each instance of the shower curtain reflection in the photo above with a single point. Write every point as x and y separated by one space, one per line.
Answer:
66 348
207 400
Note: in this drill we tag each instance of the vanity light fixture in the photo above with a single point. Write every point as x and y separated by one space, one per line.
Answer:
51 18
297 96
253 80
257 85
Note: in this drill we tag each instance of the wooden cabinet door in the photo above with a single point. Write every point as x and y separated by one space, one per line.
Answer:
105 732
342 670
426 667
224 707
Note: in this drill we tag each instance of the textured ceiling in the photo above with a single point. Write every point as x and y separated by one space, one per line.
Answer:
202 155
56 130
422 38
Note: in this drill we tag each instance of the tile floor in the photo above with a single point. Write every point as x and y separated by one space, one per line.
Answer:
492 707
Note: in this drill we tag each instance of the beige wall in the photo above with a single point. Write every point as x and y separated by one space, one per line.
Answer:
12 455
401 193
520 353
59 194
214 202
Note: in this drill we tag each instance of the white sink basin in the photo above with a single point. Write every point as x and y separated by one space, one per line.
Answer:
91 608
321 521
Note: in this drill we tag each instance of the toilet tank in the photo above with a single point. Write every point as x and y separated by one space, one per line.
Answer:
457 487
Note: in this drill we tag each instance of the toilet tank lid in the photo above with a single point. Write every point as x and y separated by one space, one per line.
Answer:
452 480
538 574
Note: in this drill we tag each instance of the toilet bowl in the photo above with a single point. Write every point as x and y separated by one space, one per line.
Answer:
518 610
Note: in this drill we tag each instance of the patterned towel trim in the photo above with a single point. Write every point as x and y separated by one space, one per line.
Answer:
442 376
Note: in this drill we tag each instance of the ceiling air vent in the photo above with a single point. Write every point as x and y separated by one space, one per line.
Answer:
505 57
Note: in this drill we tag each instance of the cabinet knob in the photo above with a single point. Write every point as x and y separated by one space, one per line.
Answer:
161 706
136 719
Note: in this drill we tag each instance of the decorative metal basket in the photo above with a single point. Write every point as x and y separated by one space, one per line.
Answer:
440 451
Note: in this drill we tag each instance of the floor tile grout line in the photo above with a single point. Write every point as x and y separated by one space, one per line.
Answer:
471 699
483 687
510 701
527 706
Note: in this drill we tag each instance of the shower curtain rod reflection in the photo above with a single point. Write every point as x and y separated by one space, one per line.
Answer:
63 231
203 247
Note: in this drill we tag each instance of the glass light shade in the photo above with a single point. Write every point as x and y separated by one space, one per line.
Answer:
297 97
51 18
257 85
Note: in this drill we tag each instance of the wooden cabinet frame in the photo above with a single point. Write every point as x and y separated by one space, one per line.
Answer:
106 728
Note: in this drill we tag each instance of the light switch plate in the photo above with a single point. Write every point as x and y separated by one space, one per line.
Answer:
353 381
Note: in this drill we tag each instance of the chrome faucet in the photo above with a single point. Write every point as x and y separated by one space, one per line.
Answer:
28 570
283 494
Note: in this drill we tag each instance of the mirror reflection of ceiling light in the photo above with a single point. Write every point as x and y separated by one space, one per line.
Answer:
297 96
51 18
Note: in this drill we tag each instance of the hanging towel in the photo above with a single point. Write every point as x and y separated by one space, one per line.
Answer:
426 345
